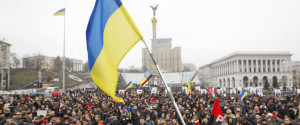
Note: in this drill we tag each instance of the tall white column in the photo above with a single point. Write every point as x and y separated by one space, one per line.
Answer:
271 65
234 66
247 66
261 66
267 67
276 65
242 63
256 65
290 66
285 66
252 70
280 65
237 66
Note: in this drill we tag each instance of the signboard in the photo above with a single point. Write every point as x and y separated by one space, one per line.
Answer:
139 91
121 92
197 88
184 89
41 112
203 91
153 90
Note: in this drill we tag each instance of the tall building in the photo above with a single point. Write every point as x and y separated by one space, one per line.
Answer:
167 58
253 69
5 64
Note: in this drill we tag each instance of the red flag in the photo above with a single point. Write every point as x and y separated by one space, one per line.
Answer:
211 91
154 100
216 114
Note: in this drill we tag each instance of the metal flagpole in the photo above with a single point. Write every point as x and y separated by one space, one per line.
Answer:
64 62
163 79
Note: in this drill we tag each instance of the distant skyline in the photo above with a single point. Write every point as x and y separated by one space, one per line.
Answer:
206 30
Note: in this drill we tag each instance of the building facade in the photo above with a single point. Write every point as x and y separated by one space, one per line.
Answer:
296 73
76 65
205 74
5 65
38 62
253 69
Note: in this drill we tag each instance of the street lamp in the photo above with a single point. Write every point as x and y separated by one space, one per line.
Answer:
2 75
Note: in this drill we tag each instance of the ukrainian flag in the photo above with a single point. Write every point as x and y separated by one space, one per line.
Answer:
146 77
61 12
129 85
243 94
188 92
110 34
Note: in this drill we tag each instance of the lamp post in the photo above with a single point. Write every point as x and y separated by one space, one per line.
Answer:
3 48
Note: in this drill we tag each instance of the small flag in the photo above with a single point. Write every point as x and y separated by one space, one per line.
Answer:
146 77
154 100
243 94
129 85
216 114
189 89
61 12
211 91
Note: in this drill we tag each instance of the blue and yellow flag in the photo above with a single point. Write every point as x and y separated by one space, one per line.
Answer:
129 85
110 34
243 94
61 12
146 77
189 90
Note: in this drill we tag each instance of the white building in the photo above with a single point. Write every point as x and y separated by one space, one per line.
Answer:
253 69
76 65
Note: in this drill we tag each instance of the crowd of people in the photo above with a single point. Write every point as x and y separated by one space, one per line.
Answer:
94 107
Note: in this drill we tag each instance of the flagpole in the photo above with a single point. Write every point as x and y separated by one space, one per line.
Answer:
163 79
64 62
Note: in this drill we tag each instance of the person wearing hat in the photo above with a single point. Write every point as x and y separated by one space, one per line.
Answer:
148 120
2 118
142 121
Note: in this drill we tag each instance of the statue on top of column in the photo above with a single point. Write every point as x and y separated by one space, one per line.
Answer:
154 7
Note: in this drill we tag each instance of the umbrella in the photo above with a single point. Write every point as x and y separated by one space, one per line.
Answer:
56 92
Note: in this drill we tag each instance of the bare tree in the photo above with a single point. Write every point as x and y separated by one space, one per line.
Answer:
57 63
38 60
15 60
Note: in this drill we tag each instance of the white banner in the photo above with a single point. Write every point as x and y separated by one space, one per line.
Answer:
154 90
232 91
184 89
203 91
197 88
41 112
298 91
277 91
252 90
259 91
139 91
122 92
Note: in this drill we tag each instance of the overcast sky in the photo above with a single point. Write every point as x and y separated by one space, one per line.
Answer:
205 29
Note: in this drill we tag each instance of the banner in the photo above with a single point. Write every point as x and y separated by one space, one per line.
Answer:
41 112
232 91
197 88
122 92
203 91
139 91
277 91
184 89
153 90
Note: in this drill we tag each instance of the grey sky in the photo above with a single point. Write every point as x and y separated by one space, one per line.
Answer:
205 29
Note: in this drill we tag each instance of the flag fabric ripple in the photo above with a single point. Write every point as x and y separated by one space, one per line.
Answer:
110 34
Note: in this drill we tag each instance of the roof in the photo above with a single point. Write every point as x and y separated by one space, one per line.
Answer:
163 40
171 78
254 53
